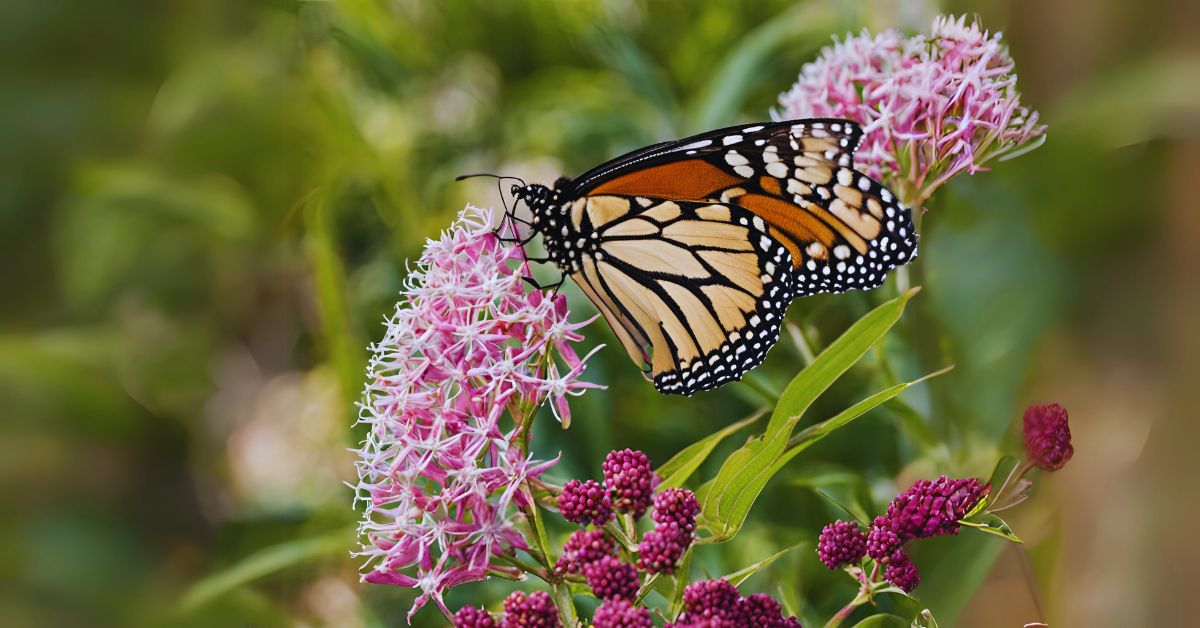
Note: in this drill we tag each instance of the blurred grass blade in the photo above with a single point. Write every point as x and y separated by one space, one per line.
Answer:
262 563
622 54
1145 101
680 467
727 499
738 577
812 434
329 281
721 97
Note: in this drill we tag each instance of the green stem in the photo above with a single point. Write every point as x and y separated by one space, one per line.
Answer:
847 610
524 565
567 614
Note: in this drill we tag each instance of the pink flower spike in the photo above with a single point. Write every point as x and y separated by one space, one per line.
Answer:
441 472
931 106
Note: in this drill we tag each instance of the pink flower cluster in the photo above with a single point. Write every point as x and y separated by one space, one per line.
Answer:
932 106
440 470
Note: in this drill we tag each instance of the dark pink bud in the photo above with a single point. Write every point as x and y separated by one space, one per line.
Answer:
584 502
527 611
621 613
1047 436
583 547
840 543
610 578
472 617
630 480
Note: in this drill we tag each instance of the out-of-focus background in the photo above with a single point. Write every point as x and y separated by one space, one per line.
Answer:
206 209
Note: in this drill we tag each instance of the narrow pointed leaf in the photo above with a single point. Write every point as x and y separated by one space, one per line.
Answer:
679 468
728 498
738 577
264 562
993 525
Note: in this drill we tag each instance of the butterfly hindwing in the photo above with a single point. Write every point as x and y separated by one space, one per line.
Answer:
695 291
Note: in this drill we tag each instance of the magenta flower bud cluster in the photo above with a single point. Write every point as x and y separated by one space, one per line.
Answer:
931 106
610 578
630 480
442 470
585 502
882 542
621 613
902 573
628 487
675 511
473 617
1047 436
718 604
928 508
840 543
529 611
584 547
933 507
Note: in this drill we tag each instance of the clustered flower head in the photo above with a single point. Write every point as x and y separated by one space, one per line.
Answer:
933 507
621 613
440 471
903 573
718 604
583 547
675 511
931 106
585 502
630 480
1047 436
529 611
882 542
840 543
928 508
473 617
610 578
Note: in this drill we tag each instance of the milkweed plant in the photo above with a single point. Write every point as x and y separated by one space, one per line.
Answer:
451 492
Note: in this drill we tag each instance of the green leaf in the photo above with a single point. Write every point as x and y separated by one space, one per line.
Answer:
812 434
680 467
738 577
261 563
681 581
883 620
993 525
721 97
727 499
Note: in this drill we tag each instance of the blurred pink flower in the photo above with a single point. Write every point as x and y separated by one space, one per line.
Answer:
931 106
440 469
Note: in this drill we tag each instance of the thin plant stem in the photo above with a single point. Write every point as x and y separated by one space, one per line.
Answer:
1030 581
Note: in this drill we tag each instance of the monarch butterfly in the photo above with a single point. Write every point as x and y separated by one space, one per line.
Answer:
693 249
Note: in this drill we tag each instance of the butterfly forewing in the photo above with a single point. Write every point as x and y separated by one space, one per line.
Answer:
695 291
843 230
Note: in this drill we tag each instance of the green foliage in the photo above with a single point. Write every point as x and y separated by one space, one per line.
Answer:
726 500
207 207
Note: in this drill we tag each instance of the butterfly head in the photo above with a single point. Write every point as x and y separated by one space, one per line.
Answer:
543 201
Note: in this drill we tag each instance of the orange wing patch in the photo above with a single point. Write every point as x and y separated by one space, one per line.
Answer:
693 179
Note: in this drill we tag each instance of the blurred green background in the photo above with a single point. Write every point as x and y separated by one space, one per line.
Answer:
206 209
